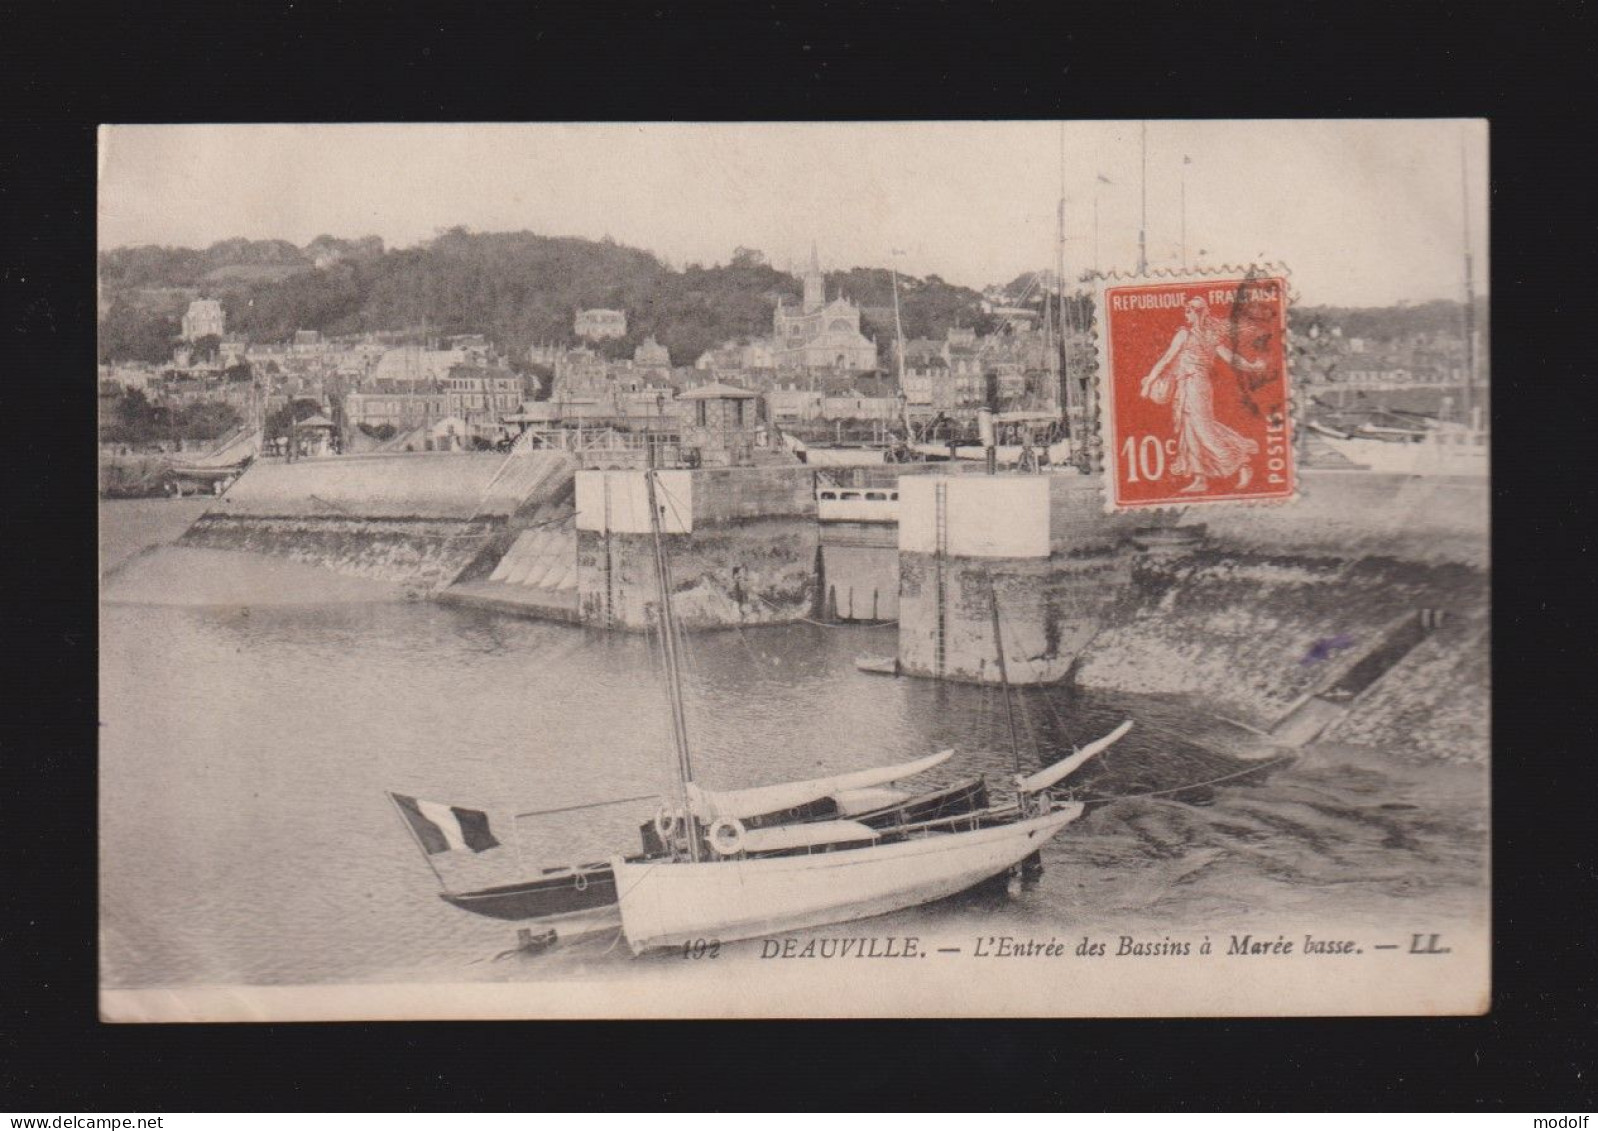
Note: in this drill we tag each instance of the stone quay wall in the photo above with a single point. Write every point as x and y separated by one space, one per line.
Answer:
415 518
742 544
750 573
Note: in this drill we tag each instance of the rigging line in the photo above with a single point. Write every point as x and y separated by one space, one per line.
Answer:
549 522
614 942
1031 731
1193 785
744 641
1026 720
997 616
588 805
667 721
1047 698
684 650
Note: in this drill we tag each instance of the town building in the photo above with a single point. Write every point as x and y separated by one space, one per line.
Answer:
790 404
927 387
720 422
127 376
963 355
307 343
855 406
545 353
480 394
412 363
597 324
399 405
820 334
314 436
580 374
653 405
650 354
204 317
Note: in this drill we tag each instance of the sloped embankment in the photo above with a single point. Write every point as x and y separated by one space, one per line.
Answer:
418 519
419 551
1248 636
1434 704
530 570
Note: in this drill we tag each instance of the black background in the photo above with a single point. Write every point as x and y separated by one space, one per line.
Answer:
1527 67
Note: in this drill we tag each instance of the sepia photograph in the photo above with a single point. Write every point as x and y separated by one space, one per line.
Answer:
805 569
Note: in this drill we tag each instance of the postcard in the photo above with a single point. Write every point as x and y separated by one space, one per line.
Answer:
912 569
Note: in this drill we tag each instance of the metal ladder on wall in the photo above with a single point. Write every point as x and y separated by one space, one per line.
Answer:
610 592
940 549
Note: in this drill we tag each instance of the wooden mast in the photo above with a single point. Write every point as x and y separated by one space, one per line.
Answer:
1004 677
668 647
898 329
1066 399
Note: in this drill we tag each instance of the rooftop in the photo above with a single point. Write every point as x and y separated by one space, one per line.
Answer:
717 390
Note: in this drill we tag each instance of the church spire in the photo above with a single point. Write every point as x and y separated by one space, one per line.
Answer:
815 283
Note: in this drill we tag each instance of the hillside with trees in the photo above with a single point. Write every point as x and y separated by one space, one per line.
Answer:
928 307
1391 323
516 287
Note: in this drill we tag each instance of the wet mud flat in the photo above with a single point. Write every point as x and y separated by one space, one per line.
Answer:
1337 841
1340 834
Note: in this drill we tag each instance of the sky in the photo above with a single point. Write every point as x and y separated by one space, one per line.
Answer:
1362 213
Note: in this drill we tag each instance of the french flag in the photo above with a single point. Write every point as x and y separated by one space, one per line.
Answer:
446 828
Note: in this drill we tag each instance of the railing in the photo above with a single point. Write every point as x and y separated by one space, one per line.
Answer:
601 447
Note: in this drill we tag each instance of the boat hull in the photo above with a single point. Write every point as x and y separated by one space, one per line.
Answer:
574 893
666 904
571 898
1432 454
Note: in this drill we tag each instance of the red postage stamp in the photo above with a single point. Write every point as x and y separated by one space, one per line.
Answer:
1194 391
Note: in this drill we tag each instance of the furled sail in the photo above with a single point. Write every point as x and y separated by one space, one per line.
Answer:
807 835
711 805
1062 769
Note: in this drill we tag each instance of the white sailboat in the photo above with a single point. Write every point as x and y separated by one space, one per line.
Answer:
732 882
853 873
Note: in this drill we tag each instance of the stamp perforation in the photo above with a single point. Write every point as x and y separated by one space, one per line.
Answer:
1103 429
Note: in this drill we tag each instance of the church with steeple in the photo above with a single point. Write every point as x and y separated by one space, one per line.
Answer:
820 334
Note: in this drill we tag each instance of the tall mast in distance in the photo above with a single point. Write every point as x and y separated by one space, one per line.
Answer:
898 330
1059 282
1468 397
1143 216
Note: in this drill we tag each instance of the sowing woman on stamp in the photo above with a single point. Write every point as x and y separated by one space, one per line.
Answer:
1205 448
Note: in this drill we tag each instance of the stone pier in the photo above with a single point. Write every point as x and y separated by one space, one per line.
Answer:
742 545
1042 544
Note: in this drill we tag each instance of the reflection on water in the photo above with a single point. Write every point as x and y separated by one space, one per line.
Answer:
246 837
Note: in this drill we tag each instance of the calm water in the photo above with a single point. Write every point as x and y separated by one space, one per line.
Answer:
245 753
